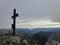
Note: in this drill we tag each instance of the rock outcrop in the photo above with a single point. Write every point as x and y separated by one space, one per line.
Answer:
18 39
54 39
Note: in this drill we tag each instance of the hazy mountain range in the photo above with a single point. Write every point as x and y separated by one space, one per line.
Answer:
40 35
36 30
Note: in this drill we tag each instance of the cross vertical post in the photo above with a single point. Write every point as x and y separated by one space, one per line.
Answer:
14 21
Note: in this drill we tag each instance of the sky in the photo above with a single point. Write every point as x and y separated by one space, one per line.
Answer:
32 13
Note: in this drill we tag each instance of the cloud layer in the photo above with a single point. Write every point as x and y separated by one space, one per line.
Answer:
32 10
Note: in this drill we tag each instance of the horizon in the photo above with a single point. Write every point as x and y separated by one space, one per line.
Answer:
32 28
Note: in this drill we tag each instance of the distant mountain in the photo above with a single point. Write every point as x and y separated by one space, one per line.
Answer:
36 30
24 30
46 30
33 31
41 37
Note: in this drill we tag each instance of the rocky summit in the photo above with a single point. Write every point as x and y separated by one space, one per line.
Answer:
9 39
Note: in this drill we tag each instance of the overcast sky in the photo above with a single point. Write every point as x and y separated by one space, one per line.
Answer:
31 10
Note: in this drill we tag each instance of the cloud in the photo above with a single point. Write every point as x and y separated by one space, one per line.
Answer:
30 9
